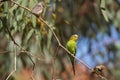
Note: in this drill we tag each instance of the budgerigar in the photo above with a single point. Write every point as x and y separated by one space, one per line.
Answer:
71 46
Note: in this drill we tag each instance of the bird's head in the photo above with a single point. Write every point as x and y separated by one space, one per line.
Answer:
100 67
41 4
74 37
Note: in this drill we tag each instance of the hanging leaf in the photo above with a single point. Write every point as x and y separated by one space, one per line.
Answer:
103 9
29 35
33 19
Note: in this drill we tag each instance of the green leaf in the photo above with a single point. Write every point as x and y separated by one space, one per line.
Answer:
29 35
105 15
25 2
33 21
103 9
49 39
1 24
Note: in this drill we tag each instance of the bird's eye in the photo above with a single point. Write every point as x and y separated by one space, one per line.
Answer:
99 69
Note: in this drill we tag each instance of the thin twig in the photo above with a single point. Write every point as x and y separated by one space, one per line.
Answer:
32 68
15 52
32 78
41 19
11 36
103 78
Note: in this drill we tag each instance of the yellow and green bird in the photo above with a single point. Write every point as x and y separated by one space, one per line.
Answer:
71 46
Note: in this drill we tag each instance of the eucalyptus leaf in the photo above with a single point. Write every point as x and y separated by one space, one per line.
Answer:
29 35
33 19
14 7
25 2
103 9
105 15
6 8
32 3
1 25
49 39
47 55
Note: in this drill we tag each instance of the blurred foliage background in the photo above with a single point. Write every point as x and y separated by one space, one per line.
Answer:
99 41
